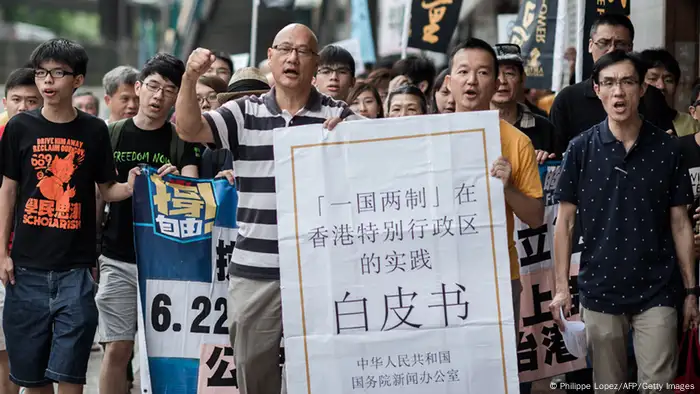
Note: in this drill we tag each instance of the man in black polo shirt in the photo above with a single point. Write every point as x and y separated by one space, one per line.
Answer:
626 179
577 107
511 78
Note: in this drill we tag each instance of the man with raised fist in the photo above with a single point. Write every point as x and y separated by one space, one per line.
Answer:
255 308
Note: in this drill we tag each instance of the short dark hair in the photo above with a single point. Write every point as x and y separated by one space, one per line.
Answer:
619 56
613 19
334 54
165 64
475 43
361 87
417 69
19 78
659 57
62 51
412 90
226 58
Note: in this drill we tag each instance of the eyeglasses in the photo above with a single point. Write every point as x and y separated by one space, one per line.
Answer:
625 83
286 49
211 97
605 44
155 88
55 73
340 71
696 104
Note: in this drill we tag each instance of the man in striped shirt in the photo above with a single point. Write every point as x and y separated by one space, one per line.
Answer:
245 126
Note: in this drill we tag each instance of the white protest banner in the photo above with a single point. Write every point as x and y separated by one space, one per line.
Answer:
394 264
541 350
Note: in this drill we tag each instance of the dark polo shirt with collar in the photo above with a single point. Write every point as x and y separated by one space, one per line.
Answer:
629 263
246 127
577 108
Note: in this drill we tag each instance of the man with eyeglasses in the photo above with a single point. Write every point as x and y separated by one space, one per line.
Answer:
146 138
52 159
625 182
336 72
577 107
245 126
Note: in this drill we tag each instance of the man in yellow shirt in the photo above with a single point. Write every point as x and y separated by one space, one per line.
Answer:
473 80
4 117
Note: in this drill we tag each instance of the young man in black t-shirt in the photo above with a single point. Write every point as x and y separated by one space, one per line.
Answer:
21 94
144 139
52 159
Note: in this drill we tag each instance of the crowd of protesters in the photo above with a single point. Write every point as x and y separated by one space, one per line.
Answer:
629 182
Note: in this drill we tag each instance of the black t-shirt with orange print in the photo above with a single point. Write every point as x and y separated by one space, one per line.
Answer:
56 166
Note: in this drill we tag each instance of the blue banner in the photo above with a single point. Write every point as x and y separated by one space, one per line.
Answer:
184 231
362 30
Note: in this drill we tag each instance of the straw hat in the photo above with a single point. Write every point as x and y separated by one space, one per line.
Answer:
245 82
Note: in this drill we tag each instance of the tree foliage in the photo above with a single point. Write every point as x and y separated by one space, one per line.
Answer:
81 26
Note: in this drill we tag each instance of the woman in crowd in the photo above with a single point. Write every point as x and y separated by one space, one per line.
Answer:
364 100
442 100
406 100
208 88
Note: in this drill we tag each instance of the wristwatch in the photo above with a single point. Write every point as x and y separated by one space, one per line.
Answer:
692 291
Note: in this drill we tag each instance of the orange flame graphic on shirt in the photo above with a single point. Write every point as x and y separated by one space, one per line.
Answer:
56 185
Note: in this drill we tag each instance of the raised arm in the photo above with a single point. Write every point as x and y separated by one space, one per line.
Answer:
190 124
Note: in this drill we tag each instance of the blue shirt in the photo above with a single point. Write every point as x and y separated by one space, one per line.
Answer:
628 263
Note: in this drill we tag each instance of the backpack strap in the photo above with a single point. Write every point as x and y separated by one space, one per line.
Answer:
115 133
177 148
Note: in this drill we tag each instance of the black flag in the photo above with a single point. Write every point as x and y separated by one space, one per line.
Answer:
534 31
432 24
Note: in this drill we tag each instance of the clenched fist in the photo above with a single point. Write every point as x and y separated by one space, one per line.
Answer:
199 62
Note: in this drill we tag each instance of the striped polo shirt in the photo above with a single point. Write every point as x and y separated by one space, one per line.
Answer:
245 126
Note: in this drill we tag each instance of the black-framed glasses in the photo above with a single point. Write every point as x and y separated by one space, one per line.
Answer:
302 51
696 104
211 97
625 83
155 87
55 73
605 44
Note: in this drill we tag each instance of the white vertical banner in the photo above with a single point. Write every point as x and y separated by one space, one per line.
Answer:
560 42
395 281
390 28
580 34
